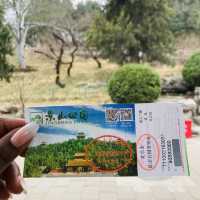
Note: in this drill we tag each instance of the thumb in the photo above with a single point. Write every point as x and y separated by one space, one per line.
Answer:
14 143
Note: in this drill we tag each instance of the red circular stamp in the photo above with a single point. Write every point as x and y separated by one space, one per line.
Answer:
109 153
148 152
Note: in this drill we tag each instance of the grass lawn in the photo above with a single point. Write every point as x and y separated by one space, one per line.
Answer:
86 86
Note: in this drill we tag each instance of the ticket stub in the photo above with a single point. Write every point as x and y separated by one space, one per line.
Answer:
145 140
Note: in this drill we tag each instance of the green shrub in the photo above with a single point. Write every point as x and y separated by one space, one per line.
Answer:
191 71
134 83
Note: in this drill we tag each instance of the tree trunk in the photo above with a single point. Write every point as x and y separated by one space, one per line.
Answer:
21 55
21 43
76 45
69 69
97 61
58 65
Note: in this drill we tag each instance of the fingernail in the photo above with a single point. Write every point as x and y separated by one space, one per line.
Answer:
23 185
24 135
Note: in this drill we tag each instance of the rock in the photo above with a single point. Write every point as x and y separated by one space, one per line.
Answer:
9 110
97 85
196 119
198 110
196 130
197 95
82 85
188 105
174 85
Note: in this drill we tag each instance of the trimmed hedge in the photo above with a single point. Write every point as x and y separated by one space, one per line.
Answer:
191 71
134 83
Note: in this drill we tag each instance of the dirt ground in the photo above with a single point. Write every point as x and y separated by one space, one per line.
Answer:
86 86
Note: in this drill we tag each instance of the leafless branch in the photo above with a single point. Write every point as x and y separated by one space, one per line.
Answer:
76 45
57 37
95 57
52 50
45 54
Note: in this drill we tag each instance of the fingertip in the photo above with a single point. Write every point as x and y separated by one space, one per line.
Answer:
17 189
13 182
24 135
4 193
7 125
22 185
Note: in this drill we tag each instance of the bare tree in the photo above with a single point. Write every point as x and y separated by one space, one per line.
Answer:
76 47
20 27
58 55
94 54
90 52
28 14
59 58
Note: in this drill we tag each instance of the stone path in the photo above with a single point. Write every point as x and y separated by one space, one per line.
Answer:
176 188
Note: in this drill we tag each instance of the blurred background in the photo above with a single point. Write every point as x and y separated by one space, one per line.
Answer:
55 52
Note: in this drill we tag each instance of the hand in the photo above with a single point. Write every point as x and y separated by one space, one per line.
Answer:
15 136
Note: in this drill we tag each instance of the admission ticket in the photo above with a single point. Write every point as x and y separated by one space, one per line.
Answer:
145 140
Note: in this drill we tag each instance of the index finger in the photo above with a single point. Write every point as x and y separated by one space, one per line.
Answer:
7 125
7 151
14 143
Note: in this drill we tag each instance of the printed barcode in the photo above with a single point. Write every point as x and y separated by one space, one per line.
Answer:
149 153
176 153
